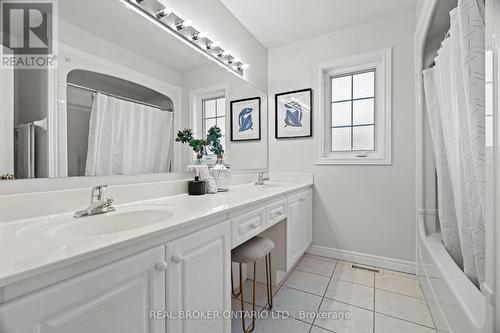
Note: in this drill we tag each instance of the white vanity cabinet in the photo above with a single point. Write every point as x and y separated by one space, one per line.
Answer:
299 226
190 273
113 298
198 280
181 277
307 208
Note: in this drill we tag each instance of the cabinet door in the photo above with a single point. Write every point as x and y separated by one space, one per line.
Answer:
307 211
116 298
198 279
294 230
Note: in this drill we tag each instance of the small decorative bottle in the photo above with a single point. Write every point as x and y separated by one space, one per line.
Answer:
199 159
222 174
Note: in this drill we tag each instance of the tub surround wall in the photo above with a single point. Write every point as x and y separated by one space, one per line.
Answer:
367 211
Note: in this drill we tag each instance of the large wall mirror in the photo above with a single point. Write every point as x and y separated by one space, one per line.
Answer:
118 97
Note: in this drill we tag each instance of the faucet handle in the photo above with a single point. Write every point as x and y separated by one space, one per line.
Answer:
98 192
261 179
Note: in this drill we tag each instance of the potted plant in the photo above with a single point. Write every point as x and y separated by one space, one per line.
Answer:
220 171
198 145
213 139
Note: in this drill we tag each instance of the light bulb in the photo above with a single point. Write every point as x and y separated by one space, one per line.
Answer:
181 25
213 45
164 12
199 35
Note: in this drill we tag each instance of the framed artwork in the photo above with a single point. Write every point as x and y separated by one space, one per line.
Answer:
245 119
293 114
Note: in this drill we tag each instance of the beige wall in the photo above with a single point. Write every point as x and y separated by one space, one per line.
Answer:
366 209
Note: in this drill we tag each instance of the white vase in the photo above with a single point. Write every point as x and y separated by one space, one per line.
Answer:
222 174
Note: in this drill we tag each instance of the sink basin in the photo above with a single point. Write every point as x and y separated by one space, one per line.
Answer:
268 185
109 223
123 219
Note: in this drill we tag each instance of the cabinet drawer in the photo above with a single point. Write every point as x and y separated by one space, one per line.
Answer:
276 212
248 225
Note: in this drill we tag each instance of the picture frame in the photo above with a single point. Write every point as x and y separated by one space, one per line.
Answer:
293 114
245 119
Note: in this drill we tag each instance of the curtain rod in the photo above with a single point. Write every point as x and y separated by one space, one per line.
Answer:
42 123
119 97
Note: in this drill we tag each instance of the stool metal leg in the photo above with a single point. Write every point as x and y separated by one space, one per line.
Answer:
251 327
269 287
232 285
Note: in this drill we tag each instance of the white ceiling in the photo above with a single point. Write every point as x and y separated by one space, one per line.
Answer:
110 20
280 22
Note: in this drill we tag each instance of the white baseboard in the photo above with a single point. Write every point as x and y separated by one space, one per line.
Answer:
364 259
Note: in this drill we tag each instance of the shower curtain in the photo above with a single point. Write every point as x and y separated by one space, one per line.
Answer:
455 98
128 138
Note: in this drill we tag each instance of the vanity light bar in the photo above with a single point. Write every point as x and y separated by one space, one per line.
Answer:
180 28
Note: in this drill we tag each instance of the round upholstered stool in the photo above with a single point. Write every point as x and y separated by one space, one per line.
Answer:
250 252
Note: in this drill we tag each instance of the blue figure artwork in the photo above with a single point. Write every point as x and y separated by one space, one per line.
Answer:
293 114
245 119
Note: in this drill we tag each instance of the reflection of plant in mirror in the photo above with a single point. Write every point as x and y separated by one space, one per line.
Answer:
213 141
213 138
186 136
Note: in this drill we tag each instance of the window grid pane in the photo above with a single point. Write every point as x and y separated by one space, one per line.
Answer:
361 125
213 114
364 112
342 88
364 85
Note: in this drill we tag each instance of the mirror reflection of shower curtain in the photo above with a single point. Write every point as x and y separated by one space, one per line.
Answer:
455 96
127 138
25 151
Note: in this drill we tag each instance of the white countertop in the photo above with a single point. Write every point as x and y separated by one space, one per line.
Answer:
27 254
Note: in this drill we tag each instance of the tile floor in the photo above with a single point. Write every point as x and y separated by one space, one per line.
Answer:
324 295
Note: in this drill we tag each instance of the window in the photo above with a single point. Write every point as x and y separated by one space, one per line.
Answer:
214 114
355 109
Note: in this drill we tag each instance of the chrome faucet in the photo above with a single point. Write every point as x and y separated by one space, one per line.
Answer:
262 179
98 203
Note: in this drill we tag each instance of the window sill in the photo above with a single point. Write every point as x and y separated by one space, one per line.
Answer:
353 160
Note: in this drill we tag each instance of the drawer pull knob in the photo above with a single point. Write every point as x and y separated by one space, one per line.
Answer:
253 226
177 258
279 213
161 266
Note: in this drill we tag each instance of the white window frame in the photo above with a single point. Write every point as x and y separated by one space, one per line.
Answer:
381 61
196 97
204 129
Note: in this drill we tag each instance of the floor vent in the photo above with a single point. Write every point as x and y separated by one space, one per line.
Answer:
366 268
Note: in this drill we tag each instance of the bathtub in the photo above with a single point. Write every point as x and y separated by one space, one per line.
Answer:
456 305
